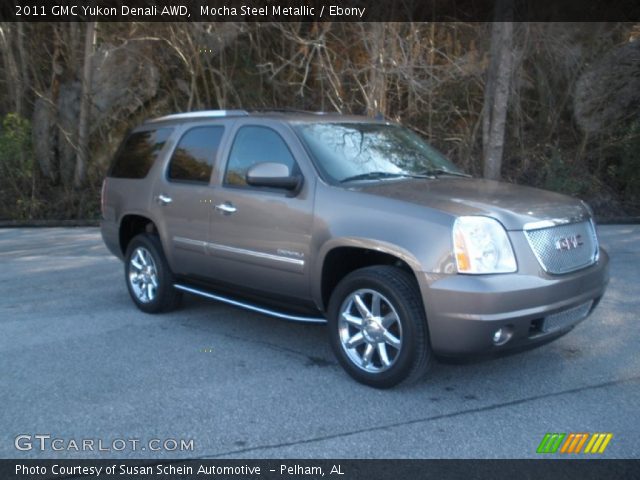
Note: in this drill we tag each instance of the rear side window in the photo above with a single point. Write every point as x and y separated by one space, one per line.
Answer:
255 145
192 161
138 153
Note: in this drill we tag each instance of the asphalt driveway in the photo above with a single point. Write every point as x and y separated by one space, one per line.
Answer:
80 362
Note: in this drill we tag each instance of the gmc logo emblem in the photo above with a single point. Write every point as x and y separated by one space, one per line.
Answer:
569 243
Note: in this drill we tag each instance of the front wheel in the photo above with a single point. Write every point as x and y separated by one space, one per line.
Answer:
148 276
377 326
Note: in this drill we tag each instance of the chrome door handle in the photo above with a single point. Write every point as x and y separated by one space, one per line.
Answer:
164 199
226 208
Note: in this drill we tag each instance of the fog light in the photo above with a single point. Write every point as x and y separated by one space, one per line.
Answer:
502 335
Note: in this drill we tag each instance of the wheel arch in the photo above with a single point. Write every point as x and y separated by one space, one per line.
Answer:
340 257
132 224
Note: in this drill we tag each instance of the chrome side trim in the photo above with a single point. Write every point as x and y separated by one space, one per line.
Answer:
253 253
242 251
189 241
248 306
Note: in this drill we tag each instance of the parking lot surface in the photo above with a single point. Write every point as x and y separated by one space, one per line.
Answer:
80 362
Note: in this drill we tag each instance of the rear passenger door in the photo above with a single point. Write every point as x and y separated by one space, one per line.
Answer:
182 199
260 236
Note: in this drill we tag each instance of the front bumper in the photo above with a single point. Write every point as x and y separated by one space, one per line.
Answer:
464 311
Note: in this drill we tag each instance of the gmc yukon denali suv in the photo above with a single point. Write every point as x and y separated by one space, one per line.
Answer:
350 221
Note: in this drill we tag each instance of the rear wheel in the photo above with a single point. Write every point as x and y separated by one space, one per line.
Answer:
377 326
148 276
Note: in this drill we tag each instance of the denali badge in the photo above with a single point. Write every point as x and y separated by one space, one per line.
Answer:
290 253
569 243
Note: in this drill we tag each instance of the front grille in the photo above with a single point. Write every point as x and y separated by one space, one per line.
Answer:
564 248
563 319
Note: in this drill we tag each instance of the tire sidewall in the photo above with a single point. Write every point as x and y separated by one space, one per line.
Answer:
410 330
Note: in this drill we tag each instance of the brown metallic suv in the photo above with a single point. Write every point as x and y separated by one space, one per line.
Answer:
351 221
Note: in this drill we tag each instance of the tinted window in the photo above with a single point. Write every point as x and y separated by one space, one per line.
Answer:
192 160
138 152
255 145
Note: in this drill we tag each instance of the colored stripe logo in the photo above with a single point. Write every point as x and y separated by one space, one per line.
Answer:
574 443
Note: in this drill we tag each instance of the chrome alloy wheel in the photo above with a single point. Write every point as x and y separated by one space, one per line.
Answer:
370 330
143 275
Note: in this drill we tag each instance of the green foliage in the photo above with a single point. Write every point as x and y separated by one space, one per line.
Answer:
628 172
17 167
561 177
16 159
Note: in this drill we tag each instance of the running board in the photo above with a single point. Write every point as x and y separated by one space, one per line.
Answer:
248 306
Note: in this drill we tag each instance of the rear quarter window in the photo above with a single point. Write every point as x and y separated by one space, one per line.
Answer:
192 161
138 152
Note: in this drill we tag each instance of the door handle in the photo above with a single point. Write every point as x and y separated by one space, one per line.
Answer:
163 199
227 208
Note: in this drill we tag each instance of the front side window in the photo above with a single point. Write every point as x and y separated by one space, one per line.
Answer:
192 160
255 145
351 151
138 153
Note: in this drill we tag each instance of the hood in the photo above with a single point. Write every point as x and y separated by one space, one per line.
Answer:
513 205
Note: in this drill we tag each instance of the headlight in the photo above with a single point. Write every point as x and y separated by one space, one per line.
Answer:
481 245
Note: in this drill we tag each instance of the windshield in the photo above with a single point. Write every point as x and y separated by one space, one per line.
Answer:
369 151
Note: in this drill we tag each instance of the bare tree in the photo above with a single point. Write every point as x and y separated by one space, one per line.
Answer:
496 94
11 70
85 108
468 87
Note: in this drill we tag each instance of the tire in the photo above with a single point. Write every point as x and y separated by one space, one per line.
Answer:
386 349
148 276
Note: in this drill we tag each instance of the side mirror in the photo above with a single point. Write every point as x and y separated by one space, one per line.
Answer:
274 175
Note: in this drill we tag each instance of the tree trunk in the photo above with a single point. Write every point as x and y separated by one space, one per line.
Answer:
51 162
11 73
496 96
377 82
85 108
24 76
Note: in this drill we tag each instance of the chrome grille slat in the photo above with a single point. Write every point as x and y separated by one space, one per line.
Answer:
555 260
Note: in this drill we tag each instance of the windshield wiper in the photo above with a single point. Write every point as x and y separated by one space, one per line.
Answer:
372 176
442 171
375 175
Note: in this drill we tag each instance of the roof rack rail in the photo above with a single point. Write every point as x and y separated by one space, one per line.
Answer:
288 110
202 114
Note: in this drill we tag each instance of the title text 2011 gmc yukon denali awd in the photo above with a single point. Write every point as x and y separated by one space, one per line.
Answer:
353 221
